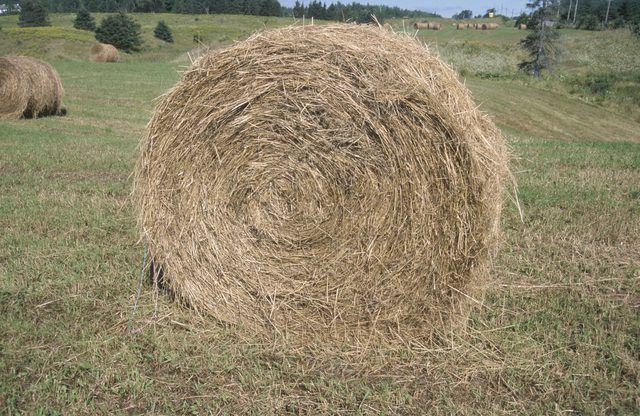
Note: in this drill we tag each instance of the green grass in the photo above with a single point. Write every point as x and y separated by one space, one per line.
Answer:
559 332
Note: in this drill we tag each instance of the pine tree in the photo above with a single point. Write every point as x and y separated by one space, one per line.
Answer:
163 32
33 13
84 20
298 10
541 42
120 31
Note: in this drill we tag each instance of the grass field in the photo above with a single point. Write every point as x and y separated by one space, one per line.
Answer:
559 332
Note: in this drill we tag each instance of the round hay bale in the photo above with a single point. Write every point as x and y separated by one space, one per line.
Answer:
461 26
103 52
492 26
420 25
333 180
522 26
29 88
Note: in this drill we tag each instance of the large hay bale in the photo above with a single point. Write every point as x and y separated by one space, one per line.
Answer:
336 180
29 88
103 52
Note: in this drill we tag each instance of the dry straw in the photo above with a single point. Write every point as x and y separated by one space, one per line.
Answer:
333 182
102 52
29 88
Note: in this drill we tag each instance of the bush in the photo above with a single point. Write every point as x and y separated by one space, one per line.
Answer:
120 31
635 28
588 22
84 21
617 23
523 19
33 13
163 32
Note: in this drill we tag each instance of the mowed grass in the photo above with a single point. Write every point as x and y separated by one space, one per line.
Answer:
558 331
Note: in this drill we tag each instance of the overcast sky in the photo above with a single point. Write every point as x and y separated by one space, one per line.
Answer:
444 8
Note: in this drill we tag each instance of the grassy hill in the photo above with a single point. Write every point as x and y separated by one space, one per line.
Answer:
558 331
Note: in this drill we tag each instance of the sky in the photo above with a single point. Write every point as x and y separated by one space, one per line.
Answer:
443 7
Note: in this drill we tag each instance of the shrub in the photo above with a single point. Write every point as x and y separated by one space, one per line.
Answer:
163 32
588 22
84 21
120 31
33 13
617 23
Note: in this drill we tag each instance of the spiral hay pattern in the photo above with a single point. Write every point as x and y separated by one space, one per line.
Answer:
333 180
29 88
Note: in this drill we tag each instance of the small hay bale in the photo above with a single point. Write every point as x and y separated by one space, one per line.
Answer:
492 26
522 26
103 52
29 88
334 182
461 26
420 25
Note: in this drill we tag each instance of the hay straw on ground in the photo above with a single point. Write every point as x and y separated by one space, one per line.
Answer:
335 182
29 88
102 52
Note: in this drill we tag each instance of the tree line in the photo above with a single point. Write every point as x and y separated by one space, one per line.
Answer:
316 9
587 13
353 12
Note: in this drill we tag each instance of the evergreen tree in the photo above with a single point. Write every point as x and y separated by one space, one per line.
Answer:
298 10
33 13
270 8
84 20
120 31
541 42
163 32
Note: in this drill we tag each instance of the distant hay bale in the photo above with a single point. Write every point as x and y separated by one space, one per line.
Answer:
492 26
102 52
522 26
461 26
322 182
427 25
29 88
484 26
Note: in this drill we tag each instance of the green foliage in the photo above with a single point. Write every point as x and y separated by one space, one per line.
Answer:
465 14
120 31
588 22
163 32
84 21
33 13
523 19
616 23
635 28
